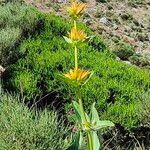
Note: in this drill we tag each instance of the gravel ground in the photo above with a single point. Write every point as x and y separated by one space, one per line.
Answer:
115 20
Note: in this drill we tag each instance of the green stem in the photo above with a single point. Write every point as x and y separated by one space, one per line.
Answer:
81 104
89 136
75 49
75 24
90 141
76 57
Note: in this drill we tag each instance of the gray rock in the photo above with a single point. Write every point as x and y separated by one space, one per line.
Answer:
105 21
62 1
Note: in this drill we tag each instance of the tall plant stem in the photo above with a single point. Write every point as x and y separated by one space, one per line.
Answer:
76 57
75 24
81 103
89 136
75 49
90 141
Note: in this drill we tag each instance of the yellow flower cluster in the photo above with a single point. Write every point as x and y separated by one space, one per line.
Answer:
76 9
77 74
77 35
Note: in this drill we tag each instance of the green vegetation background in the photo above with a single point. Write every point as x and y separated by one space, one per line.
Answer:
33 49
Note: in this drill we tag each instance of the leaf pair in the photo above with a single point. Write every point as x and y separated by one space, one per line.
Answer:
97 124
90 125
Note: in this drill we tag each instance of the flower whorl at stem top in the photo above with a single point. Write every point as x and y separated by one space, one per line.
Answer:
77 35
76 9
77 74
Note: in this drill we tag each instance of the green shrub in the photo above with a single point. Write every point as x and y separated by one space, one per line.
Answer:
22 128
137 2
8 38
17 21
3 2
10 1
126 16
123 50
17 15
114 85
143 109
140 60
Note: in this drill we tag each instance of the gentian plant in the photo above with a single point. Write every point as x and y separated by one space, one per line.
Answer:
89 124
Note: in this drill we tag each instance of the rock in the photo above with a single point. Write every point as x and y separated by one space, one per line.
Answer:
62 1
118 59
105 21
127 62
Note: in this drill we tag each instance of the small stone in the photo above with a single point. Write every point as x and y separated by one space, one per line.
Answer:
105 21
118 59
127 62
62 1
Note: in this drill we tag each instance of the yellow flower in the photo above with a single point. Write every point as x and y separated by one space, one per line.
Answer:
77 74
77 35
76 9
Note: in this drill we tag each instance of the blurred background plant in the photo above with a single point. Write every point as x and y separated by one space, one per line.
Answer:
141 60
23 128
16 22
143 109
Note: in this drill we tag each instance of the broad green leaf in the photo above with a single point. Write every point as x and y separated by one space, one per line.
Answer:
103 124
77 111
96 143
94 114
77 142
67 40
